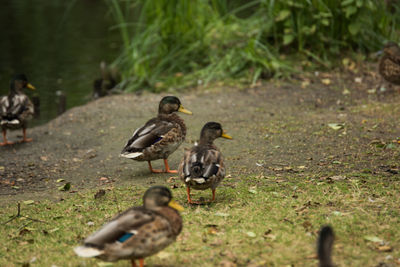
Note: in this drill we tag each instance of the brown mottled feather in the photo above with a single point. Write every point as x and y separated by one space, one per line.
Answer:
212 156
16 106
171 138
389 65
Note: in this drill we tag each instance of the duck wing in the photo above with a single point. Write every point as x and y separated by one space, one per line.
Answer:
152 132
120 228
17 106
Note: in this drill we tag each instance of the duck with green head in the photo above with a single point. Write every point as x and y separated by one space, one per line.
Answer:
203 166
160 136
138 232
16 108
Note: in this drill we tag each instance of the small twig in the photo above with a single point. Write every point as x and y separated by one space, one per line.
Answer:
116 201
15 216
19 215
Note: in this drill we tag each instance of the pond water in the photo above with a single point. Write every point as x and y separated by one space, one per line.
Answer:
59 45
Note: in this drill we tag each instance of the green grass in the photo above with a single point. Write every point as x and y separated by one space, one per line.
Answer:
265 221
177 44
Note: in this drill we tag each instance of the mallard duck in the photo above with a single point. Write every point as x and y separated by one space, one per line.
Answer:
202 166
138 232
16 108
324 246
109 79
389 65
160 136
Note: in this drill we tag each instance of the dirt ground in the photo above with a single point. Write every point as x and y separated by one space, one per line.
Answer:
318 125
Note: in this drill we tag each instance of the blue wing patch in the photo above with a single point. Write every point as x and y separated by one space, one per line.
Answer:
125 237
157 140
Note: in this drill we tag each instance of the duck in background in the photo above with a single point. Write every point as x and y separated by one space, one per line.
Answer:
109 79
160 136
389 64
138 232
16 109
202 166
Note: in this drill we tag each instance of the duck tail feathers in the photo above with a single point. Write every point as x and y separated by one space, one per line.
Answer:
131 155
87 252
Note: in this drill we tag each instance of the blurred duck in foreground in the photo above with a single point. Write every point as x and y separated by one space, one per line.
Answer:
160 136
138 232
324 246
389 65
202 166
16 108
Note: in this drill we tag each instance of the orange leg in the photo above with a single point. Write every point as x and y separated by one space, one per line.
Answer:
190 201
24 138
153 170
167 167
5 142
141 262
188 195
133 263
213 193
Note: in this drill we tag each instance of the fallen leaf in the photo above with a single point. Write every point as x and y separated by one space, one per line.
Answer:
373 239
65 187
326 81
336 126
44 158
29 202
253 191
338 177
53 230
251 234
385 248
60 180
346 91
358 80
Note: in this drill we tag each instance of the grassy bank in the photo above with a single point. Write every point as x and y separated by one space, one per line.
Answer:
187 43
256 221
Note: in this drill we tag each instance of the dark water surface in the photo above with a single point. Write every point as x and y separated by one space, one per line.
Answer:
58 44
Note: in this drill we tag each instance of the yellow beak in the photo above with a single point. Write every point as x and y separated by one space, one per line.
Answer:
183 110
30 86
225 135
173 204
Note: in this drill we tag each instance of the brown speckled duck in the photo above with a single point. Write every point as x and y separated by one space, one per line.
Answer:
389 65
324 246
16 108
139 232
160 136
202 166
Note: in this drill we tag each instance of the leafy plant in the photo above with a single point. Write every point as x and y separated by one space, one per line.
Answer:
182 43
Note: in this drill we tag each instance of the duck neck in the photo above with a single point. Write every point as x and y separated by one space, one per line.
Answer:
206 140
174 118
